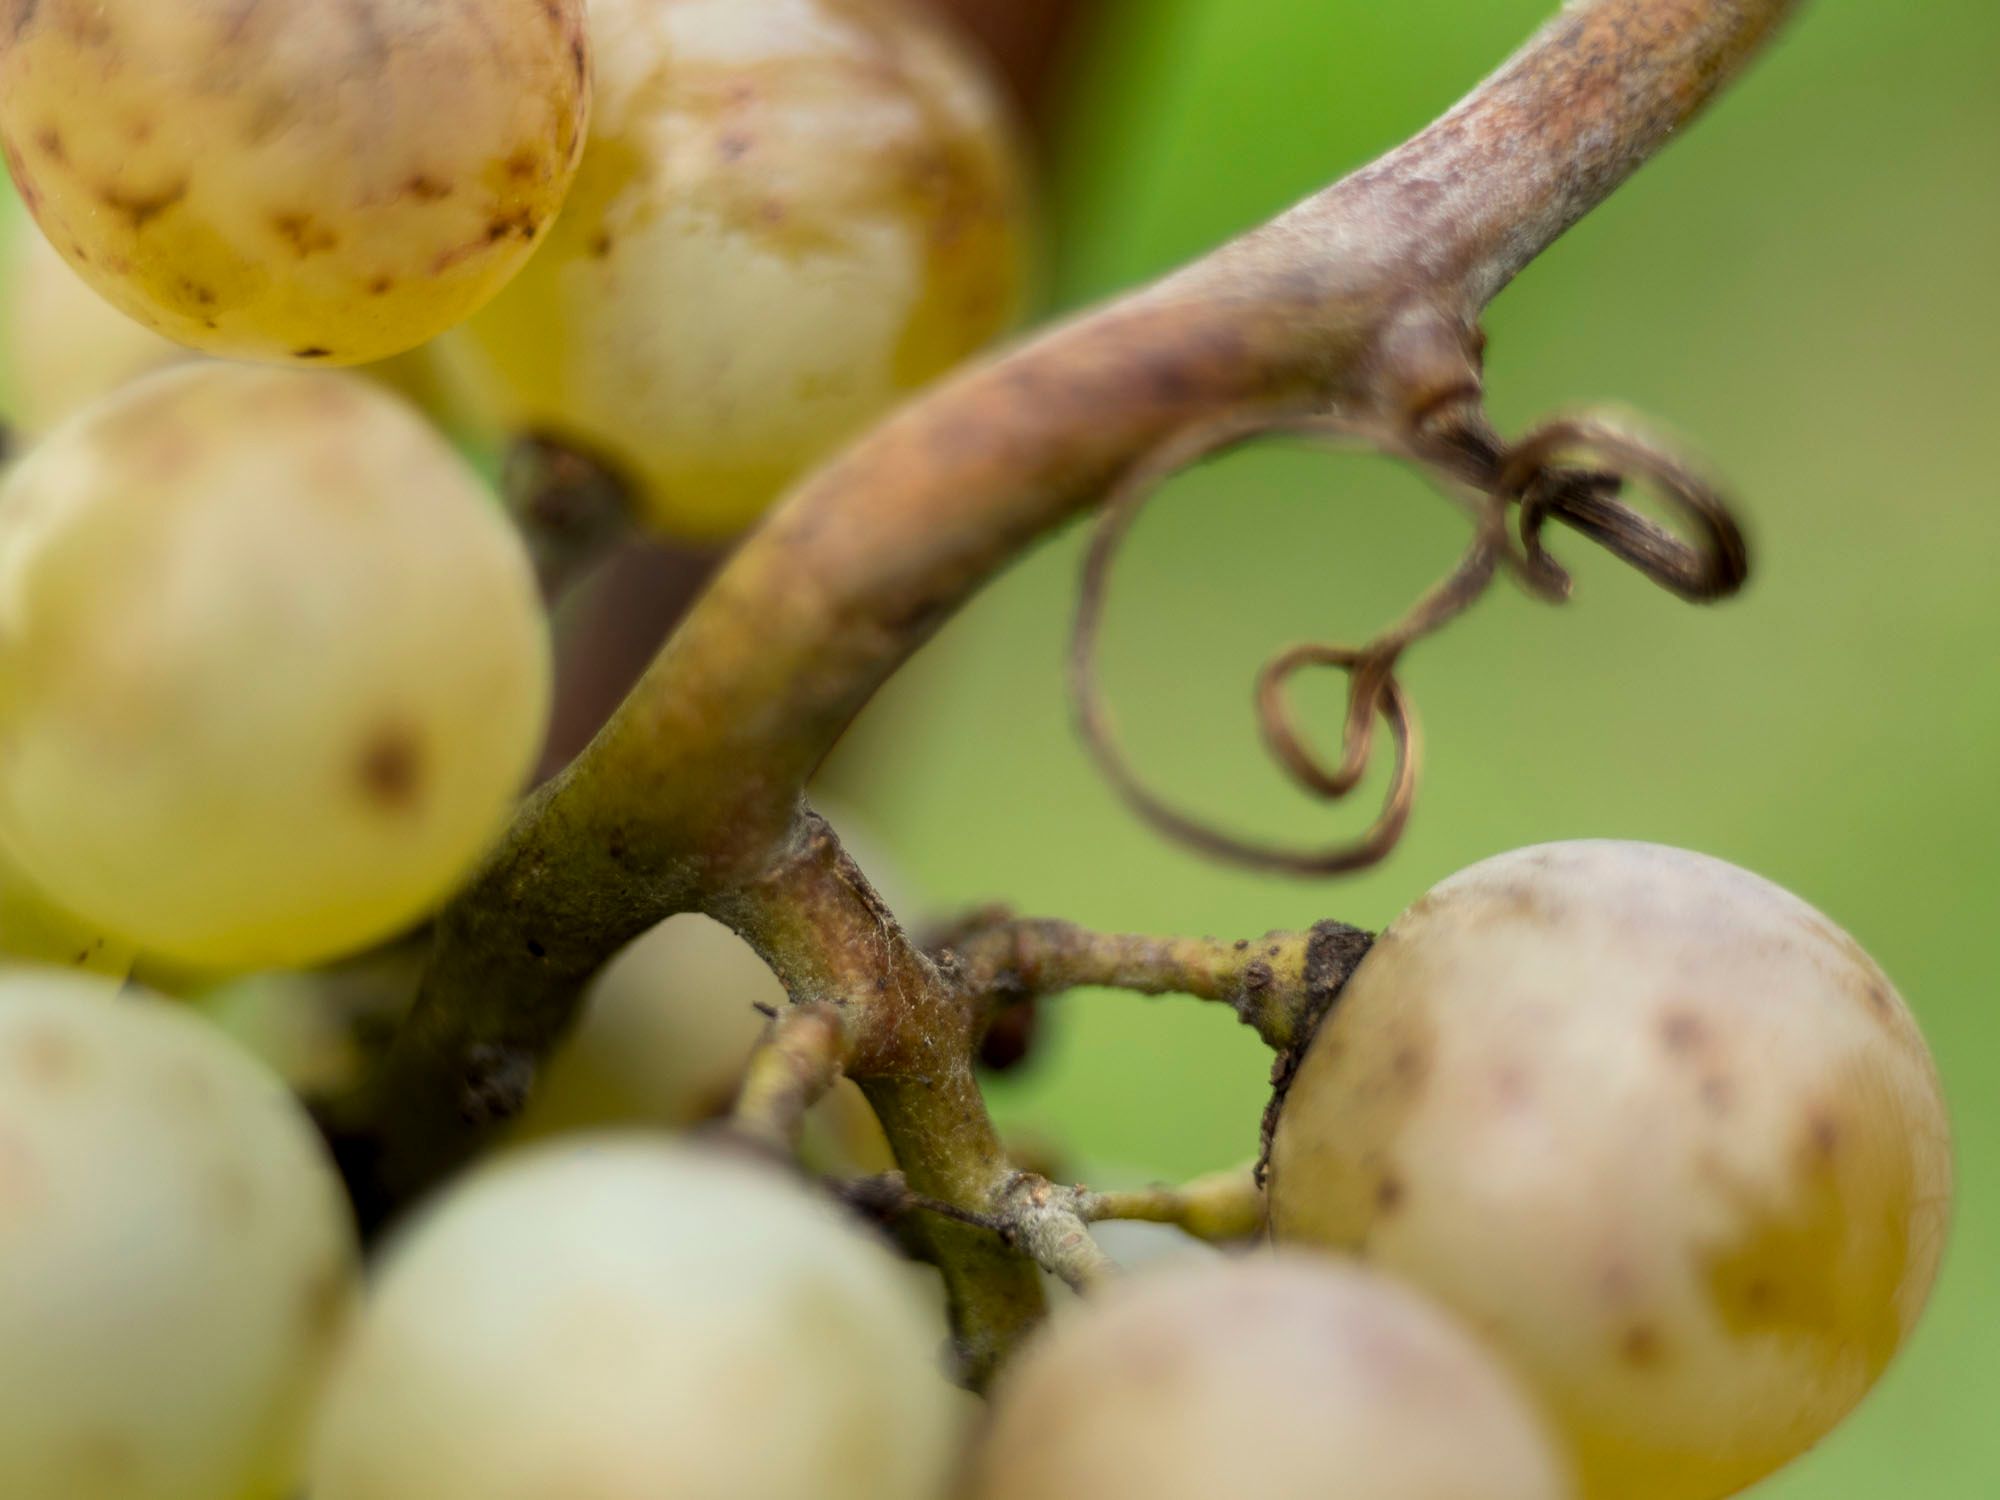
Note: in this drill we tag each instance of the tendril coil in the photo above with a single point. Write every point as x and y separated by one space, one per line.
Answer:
1574 468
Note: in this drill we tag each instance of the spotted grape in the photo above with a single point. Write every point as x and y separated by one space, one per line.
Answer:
790 212
1657 1128
272 665
323 183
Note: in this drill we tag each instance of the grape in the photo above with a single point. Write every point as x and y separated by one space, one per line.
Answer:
66 345
34 929
1656 1126
69 346
625 1318
790 212
177 1249
271 665
665 1033
1283 1379
313 182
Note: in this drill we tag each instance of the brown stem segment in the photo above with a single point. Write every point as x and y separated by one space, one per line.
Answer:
1279 984
1361 304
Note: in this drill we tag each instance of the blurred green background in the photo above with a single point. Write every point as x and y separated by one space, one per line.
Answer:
1805 287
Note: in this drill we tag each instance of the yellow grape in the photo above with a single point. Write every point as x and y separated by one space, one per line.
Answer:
666 1030
33 929
1274 1378
272 666
625 1318
790 213
303 181
66 345
177 1249
1658 1128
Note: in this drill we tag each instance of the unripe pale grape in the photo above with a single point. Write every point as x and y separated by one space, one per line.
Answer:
1282 1379
272 666
177 1255
66 345
624 1318
789 213
33 929
1656 1126
665 1033
301 181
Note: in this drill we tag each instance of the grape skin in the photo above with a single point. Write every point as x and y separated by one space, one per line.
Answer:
33 929
1282 1379
178 1255
789 214
665 1032
1657 1127
333 183
272 666
67 346
624 1318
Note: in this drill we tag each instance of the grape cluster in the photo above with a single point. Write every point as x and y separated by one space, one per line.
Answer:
1645 1159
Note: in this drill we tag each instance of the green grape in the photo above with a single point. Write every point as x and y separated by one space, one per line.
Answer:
33 929
1274 1378
307 181
272 667
66 345
177 1251
1658 1128
790 213
666 1030
624 1318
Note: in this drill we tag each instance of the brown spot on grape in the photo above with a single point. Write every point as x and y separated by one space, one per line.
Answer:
1389 1193
1642 1347
1683 1033
21 14
523 165
1411 1065
732 145
600 245
381 286
391 770
1512 1085
579 61
312 351
22 1186
426 189
51 141
47 1058
304 234
324 1302
141 208
1820 1262
235 1198
519 221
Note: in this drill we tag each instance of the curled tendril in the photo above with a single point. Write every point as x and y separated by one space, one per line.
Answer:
1489 476
1712 566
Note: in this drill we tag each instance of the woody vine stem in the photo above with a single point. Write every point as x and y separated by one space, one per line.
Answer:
1355 316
